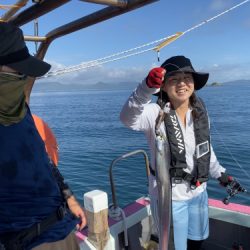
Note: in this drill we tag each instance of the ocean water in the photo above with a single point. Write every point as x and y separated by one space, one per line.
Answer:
90 136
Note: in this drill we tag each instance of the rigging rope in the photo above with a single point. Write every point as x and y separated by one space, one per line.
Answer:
130 52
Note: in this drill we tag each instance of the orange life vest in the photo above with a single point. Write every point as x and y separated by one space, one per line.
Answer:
48 137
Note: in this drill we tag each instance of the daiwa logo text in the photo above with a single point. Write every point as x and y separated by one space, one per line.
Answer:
178 134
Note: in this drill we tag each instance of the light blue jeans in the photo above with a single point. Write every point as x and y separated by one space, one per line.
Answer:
190 219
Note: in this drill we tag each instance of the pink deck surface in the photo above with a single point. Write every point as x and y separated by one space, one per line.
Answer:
141 203
231 206
131 209
81 236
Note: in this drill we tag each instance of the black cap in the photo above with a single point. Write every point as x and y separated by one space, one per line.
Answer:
15 54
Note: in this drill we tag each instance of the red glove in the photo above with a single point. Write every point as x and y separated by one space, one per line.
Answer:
155 77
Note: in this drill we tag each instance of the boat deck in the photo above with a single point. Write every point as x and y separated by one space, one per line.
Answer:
229 225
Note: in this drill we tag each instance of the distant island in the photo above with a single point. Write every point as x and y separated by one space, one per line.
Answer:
42 86
214 84
236 82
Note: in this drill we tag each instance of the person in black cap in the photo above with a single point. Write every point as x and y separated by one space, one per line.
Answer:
185 128
33 194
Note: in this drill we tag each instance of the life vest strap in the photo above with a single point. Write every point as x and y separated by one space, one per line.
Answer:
178 175
18 240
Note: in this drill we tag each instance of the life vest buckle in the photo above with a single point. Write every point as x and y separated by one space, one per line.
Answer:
194 184
177 180
197 184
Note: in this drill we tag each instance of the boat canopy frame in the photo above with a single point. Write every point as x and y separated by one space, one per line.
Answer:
42 7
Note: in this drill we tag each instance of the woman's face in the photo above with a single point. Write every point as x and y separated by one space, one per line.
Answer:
179 88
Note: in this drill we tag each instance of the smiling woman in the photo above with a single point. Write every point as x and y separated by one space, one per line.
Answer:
179 88
180 120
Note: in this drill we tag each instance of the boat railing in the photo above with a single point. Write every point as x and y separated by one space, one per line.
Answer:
115 161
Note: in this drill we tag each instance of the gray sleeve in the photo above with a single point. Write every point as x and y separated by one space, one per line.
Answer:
137 113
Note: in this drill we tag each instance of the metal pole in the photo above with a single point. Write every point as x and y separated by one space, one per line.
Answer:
13 10
116 3
35 11
112 183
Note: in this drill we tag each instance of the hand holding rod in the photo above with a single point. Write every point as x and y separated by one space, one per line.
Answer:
233 188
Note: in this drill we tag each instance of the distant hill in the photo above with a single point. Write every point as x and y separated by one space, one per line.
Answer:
114 86
59 87
56 86
236 82
214 84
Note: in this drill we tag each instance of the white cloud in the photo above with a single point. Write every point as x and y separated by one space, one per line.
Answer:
105 73
229 72
218 5
55 65
101 73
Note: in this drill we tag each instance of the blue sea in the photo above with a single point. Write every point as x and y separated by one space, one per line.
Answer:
90 136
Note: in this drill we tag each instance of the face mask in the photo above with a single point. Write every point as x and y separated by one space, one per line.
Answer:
12 98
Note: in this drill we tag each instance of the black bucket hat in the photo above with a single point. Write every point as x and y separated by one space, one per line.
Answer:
15 54
177 64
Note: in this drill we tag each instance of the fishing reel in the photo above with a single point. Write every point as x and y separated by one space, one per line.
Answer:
233 188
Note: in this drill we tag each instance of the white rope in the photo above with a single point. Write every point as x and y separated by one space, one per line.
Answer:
90 64
130 52
213 18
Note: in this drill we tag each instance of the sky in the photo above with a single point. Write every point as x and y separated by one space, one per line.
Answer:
220 47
